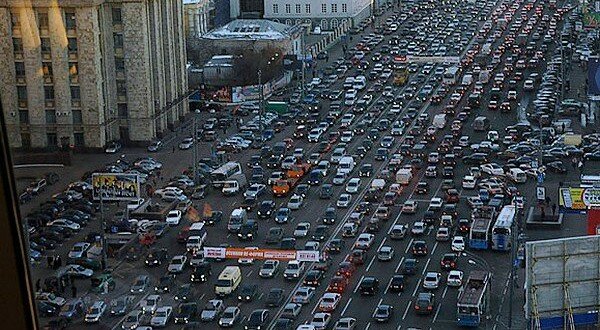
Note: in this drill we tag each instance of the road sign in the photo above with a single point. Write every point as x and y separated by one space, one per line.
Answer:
541 193
540 177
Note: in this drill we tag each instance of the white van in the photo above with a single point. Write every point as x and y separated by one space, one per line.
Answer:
228 281
518 175
346 165
360 82
439 120
469 182
236 220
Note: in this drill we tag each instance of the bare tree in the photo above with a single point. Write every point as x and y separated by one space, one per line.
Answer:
247 63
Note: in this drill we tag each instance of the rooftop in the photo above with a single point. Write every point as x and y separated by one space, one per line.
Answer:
252 29
220 60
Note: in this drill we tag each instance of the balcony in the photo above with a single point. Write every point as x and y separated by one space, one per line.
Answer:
44 31
46 56
76 103
49 103
122 98
71 32
48 80
16 31
72 56
120 75
18 55
21 80
119 52
74 79
22 103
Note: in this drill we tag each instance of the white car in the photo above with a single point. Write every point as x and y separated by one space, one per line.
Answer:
303 295
458 244
385 253
345 323
320 321
418 228
186 143
254 190
410 207
302 229
212 310
492 169
65 223
150 304
364 241
95 312
247 261
78 249
269 269
344 201
339 178
329 302
469 182
161 316
347 136
177 264
295 202
436 203
512 95
353 186
455 278
174 217
432 280
230 316
77 271
474 201
443 234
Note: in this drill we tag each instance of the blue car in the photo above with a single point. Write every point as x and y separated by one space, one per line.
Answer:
310 99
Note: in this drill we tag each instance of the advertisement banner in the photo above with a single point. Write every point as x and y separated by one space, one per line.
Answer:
115 186
260 254
594 77
245 93
579 199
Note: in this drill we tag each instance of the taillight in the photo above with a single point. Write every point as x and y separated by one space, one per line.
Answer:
429 308
417 307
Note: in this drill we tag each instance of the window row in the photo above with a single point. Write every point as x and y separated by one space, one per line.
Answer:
307 8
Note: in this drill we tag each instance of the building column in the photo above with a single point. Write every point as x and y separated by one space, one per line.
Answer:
8 90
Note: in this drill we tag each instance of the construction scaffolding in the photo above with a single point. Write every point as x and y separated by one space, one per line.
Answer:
562 284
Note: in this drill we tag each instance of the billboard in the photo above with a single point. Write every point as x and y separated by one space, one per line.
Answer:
115 186
262 254
594 77
578 199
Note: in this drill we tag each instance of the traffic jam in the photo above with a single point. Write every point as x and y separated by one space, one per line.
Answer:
384 198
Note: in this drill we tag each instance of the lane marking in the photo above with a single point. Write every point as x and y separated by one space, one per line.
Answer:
399 264
426 265
409 245
416 288
434 247
368 326
445 291
346 307
437 312
388 286
407 308
358 284
370 264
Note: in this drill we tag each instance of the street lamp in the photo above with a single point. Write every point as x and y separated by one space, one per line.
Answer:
195 146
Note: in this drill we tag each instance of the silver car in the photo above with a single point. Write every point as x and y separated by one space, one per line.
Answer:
269 269
230 317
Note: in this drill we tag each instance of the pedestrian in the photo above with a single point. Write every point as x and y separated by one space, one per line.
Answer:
580 165
73 291
574 163
61 285
58 262
547 200
38 285
327 58
553 209
49 261
543 213
173 149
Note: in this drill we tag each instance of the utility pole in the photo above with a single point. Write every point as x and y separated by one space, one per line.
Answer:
513 258
103 222
303 55
260 104
194 145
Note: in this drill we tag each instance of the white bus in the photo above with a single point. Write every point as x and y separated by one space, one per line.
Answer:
451 75
501 232
224 173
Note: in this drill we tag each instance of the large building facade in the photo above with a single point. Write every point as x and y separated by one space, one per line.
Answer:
91 71
326 14
196 17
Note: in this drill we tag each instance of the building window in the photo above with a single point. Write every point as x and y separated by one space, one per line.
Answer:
120 65
307 7
73 69
18 45
78 139
20 69
77 117
51 140
42 21
25 140
334 7
23 116
72 44
344 8
70 22
15 20
75 93
22 93
324 8
47 69
45 45
298 8
116 16
122 109
121 88
334 23
118 40
288 8
50 117
49 93
275 8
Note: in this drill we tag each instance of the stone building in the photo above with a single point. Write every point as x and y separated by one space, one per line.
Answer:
196 17
91 71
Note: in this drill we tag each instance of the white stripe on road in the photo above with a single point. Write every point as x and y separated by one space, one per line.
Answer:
399 264
407 308
388 286
409 245
370 264
249 273
346 307
426 265
399 327
416 288
434 247
445 291
382 242
368 326
437 312
358 284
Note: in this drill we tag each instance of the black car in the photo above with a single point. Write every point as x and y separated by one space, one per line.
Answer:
335 246
313 278
248 292
556 167
449 261
186 312
448 172
248 230
397 283
214 218
156 257
275 297
201 273
326 191
249 203
429 217
330 216
184 293
164 284
266 209
425 303
321 233
383 313
476 159
47 309
258 319
422 187
274 235
419 248
288 243
366 170
303 190
369 286
283 324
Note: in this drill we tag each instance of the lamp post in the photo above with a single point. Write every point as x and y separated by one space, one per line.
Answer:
195 146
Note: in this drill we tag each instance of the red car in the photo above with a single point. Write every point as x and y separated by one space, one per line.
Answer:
338 284
345 269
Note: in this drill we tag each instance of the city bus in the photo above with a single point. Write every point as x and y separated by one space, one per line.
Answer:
451 75
480 234
224 173
472 304
501 232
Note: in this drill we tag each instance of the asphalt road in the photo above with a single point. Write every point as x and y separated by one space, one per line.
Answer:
352 304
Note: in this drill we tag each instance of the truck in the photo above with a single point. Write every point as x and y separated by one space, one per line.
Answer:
298 170
439 120
484 76
486 49
282 187
234 185
467 80
401 77
278 107
404 176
